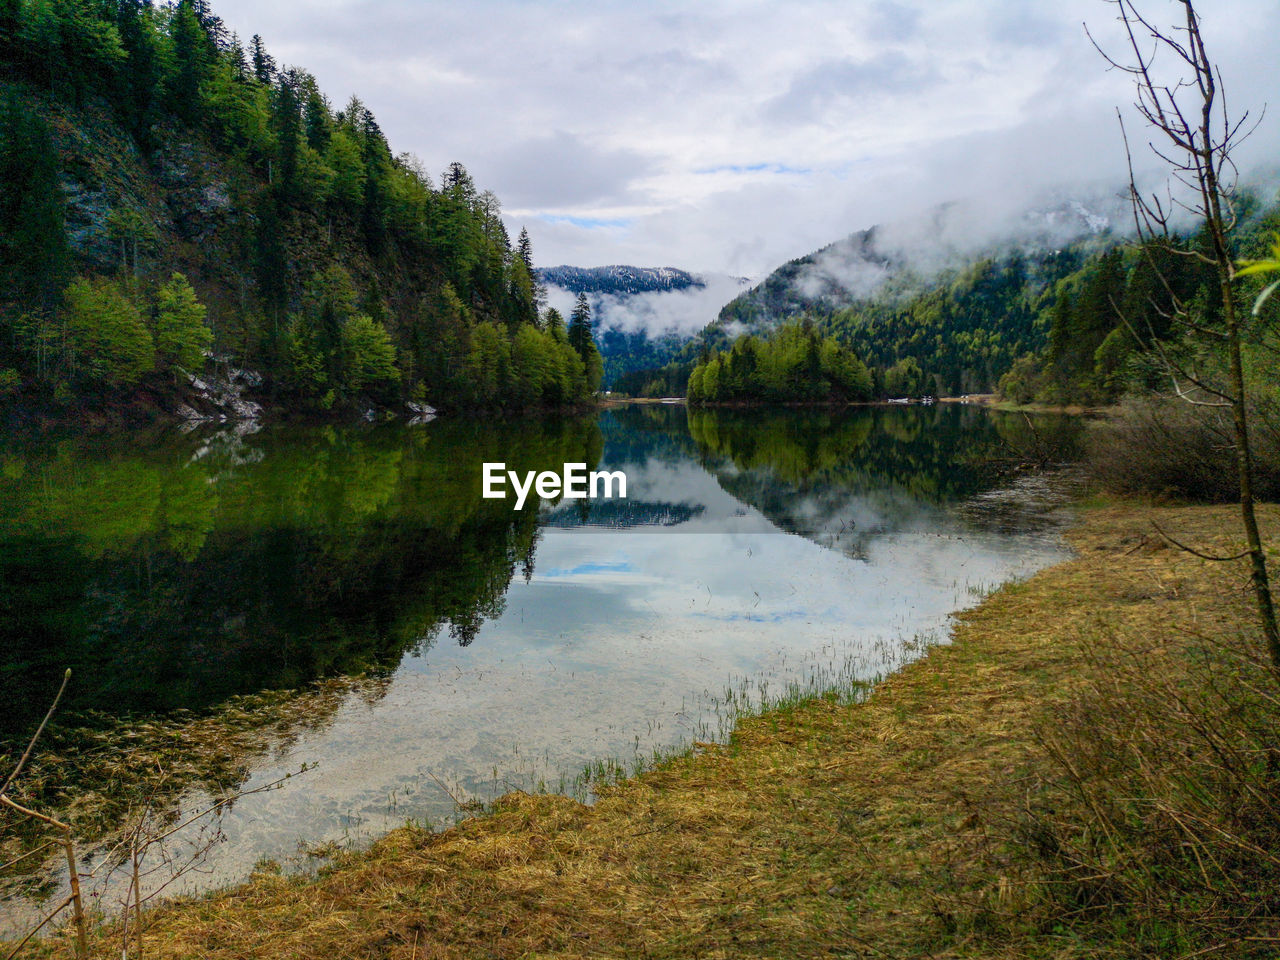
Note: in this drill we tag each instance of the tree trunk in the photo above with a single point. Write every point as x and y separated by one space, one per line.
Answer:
1244 465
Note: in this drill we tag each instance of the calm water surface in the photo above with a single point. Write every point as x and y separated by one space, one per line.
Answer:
498 650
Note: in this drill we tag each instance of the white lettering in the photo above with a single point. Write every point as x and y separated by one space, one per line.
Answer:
608 479
493 474
575 481
548 484
575 484
521 491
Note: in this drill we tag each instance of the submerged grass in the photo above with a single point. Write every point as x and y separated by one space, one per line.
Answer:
99 774
892 827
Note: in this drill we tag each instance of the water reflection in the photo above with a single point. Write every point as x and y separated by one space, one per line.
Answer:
178 572
186 571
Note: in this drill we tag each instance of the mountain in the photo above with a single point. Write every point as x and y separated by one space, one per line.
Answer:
168 194
940 303
643 316
1043 301
619 280
917 252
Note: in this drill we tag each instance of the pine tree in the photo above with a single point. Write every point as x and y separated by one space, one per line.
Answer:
191 62
9 11
524 250
286 121
264 65
456 182
34 256
580 326
182 336
142 73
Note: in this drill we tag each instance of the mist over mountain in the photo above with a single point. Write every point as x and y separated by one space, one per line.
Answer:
643 316
908 255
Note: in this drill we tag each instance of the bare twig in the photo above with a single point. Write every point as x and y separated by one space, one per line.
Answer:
66 677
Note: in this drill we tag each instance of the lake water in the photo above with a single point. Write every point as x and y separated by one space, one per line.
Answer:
755 553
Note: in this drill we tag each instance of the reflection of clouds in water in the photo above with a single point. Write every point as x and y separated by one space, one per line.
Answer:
624 638
588 569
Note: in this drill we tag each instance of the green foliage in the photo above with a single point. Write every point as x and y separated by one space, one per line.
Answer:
107 342
433 270
1265 265
67 46
191 62
795 364
182 337
34 257
962 331
370 355
1021 383
536 367
1108 322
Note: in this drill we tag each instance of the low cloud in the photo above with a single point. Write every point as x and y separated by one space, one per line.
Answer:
683 312
818 92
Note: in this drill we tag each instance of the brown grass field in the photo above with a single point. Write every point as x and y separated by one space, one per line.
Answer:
881 829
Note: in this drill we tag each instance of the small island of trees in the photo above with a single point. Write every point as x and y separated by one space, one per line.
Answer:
794 364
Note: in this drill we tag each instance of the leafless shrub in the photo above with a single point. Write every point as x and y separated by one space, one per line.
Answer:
1169 448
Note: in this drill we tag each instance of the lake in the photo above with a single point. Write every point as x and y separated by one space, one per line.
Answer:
237 602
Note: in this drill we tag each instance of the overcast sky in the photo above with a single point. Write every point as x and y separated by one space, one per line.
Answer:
732 136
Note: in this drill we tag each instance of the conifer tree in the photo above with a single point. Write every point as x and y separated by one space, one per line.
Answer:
182 335
191 62
580 326
34 256
264 65
140 79
524 250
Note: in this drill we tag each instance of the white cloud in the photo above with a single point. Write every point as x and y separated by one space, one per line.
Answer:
731 136
657 312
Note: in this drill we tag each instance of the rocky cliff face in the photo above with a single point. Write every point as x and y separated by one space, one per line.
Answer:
220 394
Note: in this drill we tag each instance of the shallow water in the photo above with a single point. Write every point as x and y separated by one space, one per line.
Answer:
754 553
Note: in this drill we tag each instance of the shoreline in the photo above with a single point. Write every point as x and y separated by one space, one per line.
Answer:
820 824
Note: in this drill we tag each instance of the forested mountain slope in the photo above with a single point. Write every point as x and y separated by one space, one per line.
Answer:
140 140
944 303
618 279
1080 322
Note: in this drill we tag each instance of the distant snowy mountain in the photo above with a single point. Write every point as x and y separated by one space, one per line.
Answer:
619 280
642 315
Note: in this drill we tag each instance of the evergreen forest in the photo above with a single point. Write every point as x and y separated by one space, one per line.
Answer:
171 195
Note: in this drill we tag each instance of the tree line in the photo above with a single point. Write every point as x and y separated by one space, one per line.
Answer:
1113 324
794 364
349 271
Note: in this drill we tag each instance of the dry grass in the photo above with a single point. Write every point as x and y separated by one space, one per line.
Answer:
861 831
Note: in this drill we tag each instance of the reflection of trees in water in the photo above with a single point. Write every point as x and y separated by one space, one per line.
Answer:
621 514
173 583
844 477
943 453
640 433
169 582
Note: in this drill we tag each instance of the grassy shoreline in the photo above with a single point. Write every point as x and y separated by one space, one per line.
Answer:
823 828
